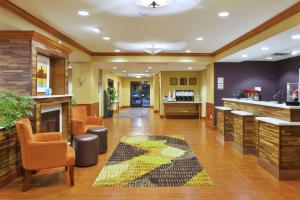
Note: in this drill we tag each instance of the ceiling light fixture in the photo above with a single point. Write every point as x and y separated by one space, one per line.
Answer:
106 38
117 50
269 58
188 51
115 67
153 50
96 30
146 71
265 48
199 38
295 52
223 14
190 68
138 76
124 71
245 56
83 13
149 67
296 37
153 3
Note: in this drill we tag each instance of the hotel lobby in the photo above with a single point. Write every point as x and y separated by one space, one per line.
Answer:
150 99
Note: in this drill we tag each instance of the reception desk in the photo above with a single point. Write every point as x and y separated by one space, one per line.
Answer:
265 109
276 137
180 109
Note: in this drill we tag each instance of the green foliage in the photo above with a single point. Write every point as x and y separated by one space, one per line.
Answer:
112 94
73 102
14 106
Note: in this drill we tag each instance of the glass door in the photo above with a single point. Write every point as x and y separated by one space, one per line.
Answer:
140 94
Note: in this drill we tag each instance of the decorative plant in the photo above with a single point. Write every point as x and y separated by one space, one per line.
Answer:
112 94
14 106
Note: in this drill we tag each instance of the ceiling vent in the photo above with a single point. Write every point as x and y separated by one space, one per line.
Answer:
280 54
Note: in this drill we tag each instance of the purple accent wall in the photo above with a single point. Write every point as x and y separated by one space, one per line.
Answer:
245 75
287 72
271 76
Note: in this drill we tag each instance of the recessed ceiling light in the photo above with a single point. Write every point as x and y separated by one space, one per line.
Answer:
59 41
146 71
106 38
149 67
223 14
96 30
295 52
265 48
269 58
117 50
138 76
124 71
190 68
296 37
245 56
70 66
83 13
115 67
188 51
199 38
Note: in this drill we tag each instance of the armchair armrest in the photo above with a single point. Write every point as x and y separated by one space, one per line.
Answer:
77 127
43 155
94 120
47 137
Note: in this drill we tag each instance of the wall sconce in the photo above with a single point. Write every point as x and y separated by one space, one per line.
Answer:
81 80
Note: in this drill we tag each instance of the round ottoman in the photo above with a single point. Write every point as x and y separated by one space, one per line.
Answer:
101 132
86 150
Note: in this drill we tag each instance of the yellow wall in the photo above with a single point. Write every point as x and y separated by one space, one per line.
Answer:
156 91
86 93
125 95
165 84
210 83
203 91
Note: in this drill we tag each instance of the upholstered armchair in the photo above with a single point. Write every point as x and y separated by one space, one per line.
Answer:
81 122
43 151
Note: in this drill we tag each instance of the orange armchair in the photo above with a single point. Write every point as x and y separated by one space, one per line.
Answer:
81 122
43 151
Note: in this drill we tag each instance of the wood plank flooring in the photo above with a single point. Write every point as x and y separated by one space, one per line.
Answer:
235 176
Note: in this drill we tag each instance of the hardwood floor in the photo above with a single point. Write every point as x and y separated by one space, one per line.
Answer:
235 176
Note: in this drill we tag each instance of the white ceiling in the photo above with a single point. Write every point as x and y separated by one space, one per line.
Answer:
179 23
281 43
140 68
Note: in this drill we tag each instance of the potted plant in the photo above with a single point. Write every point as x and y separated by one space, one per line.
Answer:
112 98
13 106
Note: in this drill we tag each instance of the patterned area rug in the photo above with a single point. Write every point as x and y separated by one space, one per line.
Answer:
134 113
152 161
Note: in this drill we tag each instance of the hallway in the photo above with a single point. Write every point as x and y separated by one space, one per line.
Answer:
235 176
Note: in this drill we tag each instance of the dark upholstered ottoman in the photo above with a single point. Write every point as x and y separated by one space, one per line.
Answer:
86 150
101 132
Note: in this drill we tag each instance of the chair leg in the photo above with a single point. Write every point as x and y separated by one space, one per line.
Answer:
66 168
71 174
26 183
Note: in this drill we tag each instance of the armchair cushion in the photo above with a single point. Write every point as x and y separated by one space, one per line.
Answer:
77 127
94 120
47 137
44 155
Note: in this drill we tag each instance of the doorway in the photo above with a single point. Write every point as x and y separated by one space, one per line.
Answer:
140 93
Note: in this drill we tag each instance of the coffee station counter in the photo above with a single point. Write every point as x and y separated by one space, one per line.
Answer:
182 109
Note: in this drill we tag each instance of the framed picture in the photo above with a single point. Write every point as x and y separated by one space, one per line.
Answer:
43 73
192 81
183 81
173 81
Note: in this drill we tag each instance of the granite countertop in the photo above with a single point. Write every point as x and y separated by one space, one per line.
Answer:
182 102
261 103
277 122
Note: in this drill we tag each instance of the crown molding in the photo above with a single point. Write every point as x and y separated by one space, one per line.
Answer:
289 12
39 23
32 35
146 54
